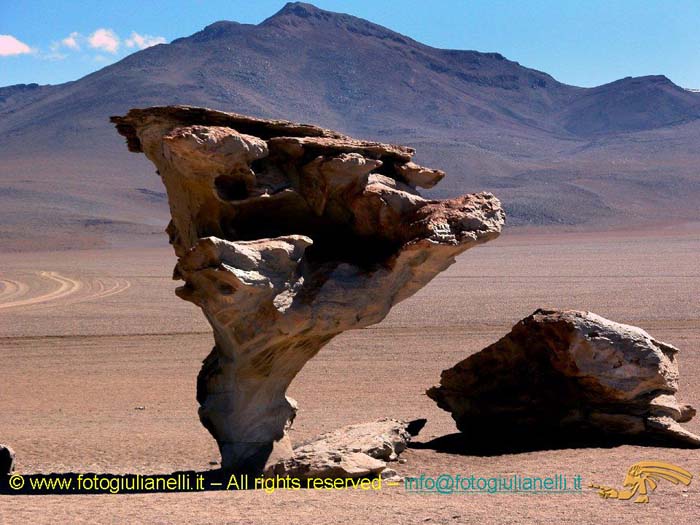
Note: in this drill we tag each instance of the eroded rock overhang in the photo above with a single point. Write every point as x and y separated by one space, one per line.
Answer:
287 235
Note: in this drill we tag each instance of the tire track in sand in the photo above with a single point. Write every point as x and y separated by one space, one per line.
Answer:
120 285
66 287
100 288
12 289
13 294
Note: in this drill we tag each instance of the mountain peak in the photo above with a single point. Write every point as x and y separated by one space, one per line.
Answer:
300 15
648 79
301 9
636 83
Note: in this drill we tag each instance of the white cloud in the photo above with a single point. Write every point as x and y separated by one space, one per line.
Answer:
104 39
143 41
71 41
9 46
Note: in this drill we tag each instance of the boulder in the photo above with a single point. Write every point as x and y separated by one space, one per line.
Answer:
350 452
571 376
7 460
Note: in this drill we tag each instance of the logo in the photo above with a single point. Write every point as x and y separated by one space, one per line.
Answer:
643 478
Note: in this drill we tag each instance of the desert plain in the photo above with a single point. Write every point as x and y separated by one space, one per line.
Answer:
100 362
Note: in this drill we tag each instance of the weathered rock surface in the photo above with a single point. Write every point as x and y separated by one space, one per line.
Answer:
288 235
353 451
569 374
7 460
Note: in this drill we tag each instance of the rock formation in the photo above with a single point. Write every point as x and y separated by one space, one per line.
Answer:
287 235
568 375
354 451
7 460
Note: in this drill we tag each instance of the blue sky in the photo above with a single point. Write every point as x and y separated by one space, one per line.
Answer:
579 42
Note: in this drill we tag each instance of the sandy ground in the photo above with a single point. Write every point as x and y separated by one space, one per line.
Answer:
86 337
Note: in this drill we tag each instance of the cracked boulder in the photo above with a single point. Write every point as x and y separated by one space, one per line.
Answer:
286 236
353 451
569 376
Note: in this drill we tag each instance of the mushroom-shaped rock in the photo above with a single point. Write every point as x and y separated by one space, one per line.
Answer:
569 376
287 235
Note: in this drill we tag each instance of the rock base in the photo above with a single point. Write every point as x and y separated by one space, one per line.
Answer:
354 451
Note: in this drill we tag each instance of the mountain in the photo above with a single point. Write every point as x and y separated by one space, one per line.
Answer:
619 154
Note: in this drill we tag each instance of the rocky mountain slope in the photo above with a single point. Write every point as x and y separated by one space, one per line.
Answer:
619 154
